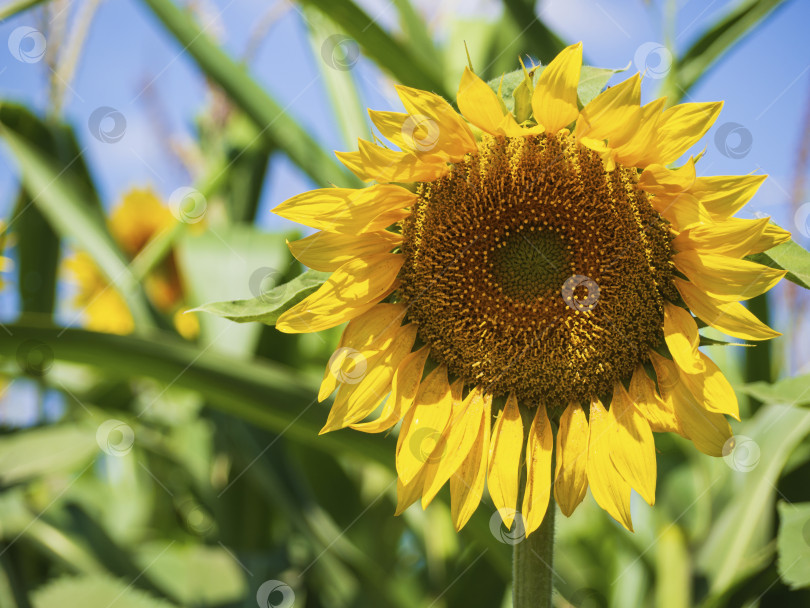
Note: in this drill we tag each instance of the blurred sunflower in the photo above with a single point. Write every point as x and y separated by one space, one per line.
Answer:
139 218
548 267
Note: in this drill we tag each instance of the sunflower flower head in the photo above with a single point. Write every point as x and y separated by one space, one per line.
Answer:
517 283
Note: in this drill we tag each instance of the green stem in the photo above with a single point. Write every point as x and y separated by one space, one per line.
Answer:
532 565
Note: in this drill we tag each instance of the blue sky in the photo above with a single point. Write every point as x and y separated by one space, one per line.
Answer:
130 64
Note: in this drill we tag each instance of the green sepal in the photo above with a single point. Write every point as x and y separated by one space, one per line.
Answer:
513 86
270 305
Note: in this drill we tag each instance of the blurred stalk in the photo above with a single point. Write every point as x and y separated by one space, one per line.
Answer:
272 119
758 358
11 594
797 192
18 6
71 54
340 84
272 397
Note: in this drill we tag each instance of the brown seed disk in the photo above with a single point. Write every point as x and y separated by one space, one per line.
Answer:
529 268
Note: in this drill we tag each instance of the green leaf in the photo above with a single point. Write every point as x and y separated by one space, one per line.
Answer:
94 592
593 81
61 197
269 395
738 542
790 391
270 117
715 42
788 256
397 58
238 260
193 575
793 544
47 450
271 305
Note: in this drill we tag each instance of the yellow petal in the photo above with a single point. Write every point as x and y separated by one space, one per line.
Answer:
354 162
390 125
328 251
384 165
345 210
357 399
554 101
682 338
467 484
570 476
460 435
403 390
658 180
725 278
684 210
351 290
640 149
454 136
613 114
733 237
632 446
539 451
505 448
609 489
681 126
772 236
427 420
409 493
724 195
658 413
478 103
731 318
712 390
363 337
709 431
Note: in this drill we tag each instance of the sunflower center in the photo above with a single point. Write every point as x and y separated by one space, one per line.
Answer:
529 264
529 268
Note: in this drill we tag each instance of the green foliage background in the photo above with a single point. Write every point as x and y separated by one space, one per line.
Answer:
226 483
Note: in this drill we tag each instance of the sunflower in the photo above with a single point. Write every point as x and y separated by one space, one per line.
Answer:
515 287
134 223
